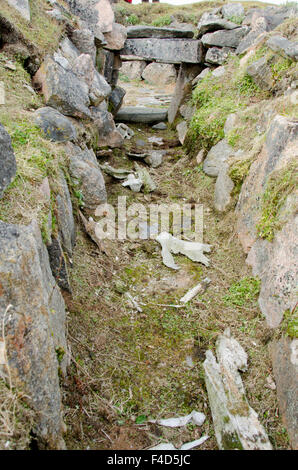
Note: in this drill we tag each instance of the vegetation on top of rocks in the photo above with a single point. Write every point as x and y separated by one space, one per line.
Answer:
280 185
290 323
162 21
238 172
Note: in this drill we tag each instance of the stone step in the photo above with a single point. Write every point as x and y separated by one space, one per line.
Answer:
141 114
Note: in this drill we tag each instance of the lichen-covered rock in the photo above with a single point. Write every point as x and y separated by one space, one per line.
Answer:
182 131
285 368
22 6
232 10
116 38
218 154
68 50
86 174
218 55
8 166
106 132
210 23
147 31
223 189
261 73
58 264
65 219
254 36
55 126
163 74
63 89
225 38
99 89
236 424
34 327
283 45
133 69
83 39
96 15
183 87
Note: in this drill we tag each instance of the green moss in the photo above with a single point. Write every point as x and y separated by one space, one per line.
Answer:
290 323
236 19
230 441
280 67
242 292
60 352
238 172
279 186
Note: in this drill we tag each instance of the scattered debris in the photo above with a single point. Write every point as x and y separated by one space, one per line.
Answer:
156 140
186 446
143 174
236 424
89 226
193 250
194 417
117 173
134 183
134 302
201 287
154 158
125 131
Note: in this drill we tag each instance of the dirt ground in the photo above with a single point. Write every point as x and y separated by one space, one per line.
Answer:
129 366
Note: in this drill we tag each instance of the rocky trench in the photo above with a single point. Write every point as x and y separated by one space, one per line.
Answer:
118 349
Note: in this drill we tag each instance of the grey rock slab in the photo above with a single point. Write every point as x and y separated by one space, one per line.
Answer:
217 55
223 189
235 423
144 31
22 6
8 166
56 127
163 74
115 39
65 219
96 15
182 131
261 73
285 368
84 42
141 114
173 51
35 327
116 99
68 50
183 87
133 69
232 9
216 157
107 134
58 264
283 45
225 38
87 177
63 89
214 23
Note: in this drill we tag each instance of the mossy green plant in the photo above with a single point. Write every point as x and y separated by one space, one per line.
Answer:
279 186
238 172
162 21
242 292
290 323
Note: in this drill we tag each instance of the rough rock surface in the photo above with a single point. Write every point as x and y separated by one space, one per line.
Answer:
96 15
145 31
183 87
84 43
285 368
22 6
140 114
236 424
213 23
261 72
116 38
86 174
107 134
34 326
218 154
65 220
55 126
217 55
8 166
68 50
160 73
232 9
182 131
172 51
223 188
58 264
115 99
225 38
63 90
283 45
133 69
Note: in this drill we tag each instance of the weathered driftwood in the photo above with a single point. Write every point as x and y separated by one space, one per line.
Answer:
236 424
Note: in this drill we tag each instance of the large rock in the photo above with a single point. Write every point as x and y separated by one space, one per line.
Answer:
140 114
55 126
86 174
99 89
145 31
182 131
133 69
65 219
116 38
116 99
278 150
274 263
83 39
217 55
183 87
254 36
34 327
223 189
261 73
285 368
225 38
211 23
107 134
216 157
8 166
58 264
236 424
68 50
283 45
96 15
22 6
172 51
63 90
163 74
231 10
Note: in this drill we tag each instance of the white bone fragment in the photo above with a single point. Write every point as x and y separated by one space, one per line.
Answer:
195 290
